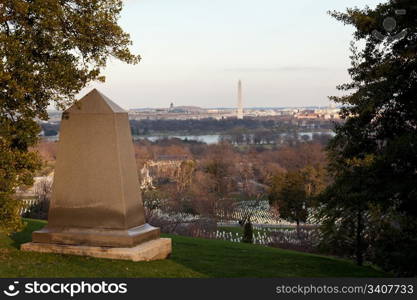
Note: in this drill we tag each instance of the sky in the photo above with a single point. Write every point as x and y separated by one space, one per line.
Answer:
287 53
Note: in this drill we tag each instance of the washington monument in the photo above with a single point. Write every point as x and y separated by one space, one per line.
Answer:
239 101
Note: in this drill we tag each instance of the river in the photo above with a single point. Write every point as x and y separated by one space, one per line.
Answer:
208 139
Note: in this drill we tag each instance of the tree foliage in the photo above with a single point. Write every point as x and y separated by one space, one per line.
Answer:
49 51
247 233
374 154
293 193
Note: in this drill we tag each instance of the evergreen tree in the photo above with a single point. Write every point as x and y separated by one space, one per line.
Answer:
247 233
49 51
374 154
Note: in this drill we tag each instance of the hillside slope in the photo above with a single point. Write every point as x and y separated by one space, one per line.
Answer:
191 257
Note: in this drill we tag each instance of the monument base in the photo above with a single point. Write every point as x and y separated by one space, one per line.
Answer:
122 238
152 250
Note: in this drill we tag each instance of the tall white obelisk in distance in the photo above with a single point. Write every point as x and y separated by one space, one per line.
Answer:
239 101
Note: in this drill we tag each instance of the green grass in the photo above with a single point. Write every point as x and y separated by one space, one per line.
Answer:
192 257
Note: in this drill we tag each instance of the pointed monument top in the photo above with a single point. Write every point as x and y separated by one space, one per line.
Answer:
95 103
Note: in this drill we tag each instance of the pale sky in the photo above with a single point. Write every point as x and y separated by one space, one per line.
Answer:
287 53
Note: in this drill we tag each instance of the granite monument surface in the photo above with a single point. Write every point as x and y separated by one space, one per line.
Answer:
96 207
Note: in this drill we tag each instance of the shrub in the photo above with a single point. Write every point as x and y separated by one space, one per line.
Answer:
10 220
247 233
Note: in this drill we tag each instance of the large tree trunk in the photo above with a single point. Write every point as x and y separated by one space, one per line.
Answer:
359 241
298 228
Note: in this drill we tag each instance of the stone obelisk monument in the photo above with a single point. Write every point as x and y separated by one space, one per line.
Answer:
96 207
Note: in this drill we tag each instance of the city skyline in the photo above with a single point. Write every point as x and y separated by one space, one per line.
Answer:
193 53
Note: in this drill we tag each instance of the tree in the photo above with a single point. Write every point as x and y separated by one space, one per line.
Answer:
247 233
374 153
220 165
251 196
293 193
49 51
184 175
289 194
345 211
315 181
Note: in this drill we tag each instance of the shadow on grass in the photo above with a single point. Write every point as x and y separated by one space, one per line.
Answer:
216 258
25 235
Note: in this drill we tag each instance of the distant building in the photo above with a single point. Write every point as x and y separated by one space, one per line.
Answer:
187 110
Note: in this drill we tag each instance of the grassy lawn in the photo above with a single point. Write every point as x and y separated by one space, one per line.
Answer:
191 257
